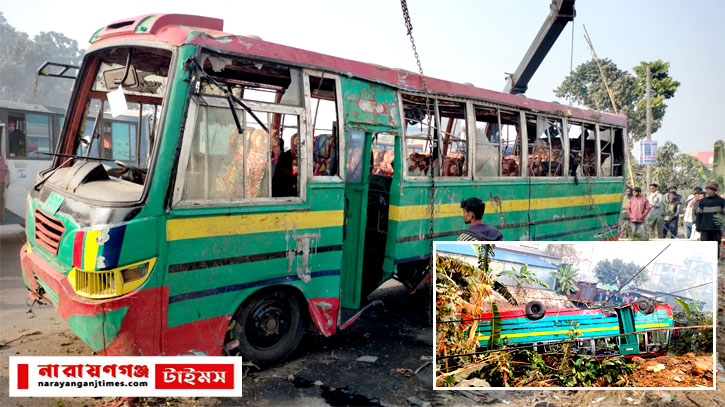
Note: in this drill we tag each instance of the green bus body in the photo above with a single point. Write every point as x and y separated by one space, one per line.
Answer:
276 265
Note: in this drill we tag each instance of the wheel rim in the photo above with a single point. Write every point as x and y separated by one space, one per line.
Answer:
268 324
535 309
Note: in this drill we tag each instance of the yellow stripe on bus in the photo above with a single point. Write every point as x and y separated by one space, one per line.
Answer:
90 249
415 212
539 333
652 325
210 226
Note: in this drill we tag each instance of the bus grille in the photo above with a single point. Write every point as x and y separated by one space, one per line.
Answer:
48 231
95 284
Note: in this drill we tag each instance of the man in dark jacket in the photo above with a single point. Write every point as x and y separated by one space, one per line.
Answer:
473 209
708 216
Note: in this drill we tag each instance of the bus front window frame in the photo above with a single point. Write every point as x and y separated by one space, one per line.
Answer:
69 136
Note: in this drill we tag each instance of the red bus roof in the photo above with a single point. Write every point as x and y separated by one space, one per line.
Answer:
180 29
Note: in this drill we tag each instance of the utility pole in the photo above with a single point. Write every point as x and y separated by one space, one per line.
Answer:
649 121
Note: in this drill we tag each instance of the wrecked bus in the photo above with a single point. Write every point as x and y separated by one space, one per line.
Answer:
598 332
282 186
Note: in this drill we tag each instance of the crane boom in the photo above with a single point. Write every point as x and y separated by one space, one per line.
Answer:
561 12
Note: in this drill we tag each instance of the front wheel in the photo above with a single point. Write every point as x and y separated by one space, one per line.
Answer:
268 327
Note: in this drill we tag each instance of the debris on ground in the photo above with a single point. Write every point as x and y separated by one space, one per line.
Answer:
367 359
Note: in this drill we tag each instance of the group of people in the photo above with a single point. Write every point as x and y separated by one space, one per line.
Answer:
615 297
657 216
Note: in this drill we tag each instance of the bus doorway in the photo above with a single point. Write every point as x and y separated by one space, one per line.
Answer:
357 159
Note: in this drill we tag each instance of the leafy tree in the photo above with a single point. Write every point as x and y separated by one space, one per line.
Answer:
566 252
522 276
585 87
673 169
566 280
616 272
717 173
462 290
21 58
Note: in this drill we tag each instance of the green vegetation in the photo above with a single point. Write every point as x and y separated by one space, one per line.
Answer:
566 280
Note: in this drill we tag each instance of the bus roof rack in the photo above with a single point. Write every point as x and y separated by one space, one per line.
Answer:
152 23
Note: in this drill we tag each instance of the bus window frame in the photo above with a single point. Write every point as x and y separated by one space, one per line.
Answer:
307 96
434 124
521 136
78 117
547 118
52 137
188 136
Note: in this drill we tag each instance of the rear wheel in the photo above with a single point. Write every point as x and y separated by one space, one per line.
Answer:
535 310
268 327
645 306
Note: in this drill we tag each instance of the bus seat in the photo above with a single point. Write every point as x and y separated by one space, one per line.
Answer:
324 154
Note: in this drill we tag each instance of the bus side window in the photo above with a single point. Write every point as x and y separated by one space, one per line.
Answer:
574 132
453 136
326 148
510 144
417 132
383 154
589 152
488 138
29 136
618 152
546 150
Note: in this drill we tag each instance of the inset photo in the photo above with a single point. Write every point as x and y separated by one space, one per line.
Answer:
575 315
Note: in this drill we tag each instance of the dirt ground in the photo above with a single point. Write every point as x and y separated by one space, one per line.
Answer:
684 371
398 334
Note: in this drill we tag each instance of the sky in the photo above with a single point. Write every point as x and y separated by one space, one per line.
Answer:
462 41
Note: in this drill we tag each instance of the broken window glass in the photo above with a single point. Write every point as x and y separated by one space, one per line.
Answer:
488 138
421 139
452 119
546 148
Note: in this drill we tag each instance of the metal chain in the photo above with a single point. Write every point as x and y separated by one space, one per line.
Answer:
409 28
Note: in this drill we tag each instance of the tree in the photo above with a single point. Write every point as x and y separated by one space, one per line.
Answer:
21 58
522 276
566 280
673 169
585 87
616 272
566 252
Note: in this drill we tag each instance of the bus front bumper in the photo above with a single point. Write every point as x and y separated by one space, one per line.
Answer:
128 325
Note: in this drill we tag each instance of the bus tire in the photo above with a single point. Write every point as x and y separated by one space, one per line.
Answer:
645 306
535 310
272 325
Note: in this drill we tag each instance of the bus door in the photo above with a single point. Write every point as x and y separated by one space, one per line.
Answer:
628 344
357 159
372 121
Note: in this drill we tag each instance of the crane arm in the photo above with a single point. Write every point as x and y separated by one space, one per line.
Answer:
561 12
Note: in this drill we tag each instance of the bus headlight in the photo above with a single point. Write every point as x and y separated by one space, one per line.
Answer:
110 283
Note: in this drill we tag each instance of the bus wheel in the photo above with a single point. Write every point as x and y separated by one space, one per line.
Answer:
645 306
535 310
271 325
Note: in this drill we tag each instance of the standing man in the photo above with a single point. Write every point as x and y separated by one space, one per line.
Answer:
672 215
637 209
624 224
689 218
473 209
708 216
655 219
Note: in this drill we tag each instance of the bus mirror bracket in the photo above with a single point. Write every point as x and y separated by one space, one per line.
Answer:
62 73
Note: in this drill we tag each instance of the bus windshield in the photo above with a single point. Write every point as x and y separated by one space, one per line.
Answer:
117 132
